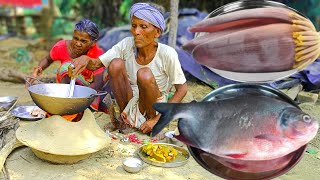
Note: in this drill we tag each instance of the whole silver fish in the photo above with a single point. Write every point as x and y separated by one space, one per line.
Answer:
245 127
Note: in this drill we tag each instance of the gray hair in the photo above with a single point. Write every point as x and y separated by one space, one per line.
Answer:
85 25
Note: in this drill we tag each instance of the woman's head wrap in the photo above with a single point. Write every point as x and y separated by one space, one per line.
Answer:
85 25
149 14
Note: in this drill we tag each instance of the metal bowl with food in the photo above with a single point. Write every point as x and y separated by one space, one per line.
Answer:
244 169
26 113
180 159
54 98
132 165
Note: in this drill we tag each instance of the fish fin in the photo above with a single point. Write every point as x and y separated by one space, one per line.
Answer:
165 110
161 124
268 137
237 156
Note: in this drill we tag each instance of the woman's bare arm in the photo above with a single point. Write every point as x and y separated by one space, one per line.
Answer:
85 62
181 91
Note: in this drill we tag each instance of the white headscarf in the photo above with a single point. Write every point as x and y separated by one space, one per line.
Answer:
149 14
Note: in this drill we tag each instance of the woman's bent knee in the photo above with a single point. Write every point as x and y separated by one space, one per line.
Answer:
115 66
145 75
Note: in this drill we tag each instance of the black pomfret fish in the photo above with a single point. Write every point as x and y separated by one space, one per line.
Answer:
245 127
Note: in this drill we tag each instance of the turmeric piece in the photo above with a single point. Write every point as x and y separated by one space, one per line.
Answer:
160 152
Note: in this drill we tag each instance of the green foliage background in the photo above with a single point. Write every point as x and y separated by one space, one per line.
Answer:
109 13
112 13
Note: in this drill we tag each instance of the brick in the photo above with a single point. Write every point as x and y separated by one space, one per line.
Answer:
293 92
307 97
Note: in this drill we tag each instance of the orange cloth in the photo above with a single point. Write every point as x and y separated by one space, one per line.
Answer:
59 52
66 117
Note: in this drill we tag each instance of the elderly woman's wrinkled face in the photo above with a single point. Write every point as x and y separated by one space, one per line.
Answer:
81 42
143 32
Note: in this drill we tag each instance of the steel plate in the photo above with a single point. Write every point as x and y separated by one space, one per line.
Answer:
24 113
181 159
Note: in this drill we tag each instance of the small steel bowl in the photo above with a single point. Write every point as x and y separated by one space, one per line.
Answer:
132 165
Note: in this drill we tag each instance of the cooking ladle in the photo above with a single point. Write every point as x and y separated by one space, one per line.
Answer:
73 81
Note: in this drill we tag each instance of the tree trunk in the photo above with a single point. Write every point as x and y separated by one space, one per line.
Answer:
174 6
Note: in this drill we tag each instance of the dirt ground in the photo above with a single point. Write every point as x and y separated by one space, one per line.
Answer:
107 163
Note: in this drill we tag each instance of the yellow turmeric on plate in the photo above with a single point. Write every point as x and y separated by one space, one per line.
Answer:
160 152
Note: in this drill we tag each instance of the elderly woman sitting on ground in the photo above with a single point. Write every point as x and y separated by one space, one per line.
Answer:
141 70
83 42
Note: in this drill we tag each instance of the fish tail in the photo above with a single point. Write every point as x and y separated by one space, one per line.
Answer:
165 110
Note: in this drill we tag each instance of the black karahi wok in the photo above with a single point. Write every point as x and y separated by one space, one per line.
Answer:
53 98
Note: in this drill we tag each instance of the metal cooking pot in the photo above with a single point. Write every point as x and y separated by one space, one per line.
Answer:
250 77
214 165
53 97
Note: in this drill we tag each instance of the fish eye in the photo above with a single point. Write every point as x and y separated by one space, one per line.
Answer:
306 118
